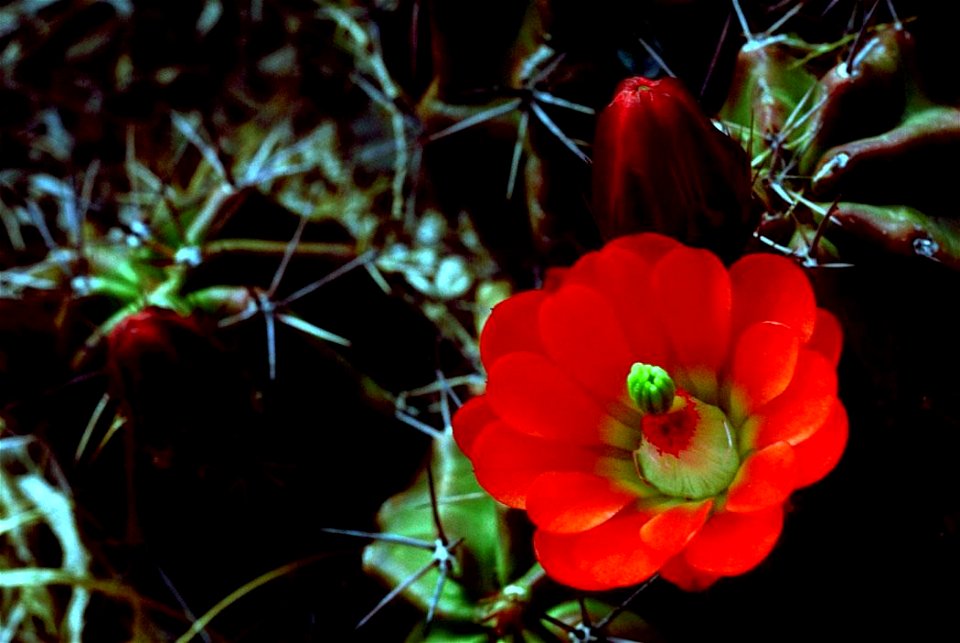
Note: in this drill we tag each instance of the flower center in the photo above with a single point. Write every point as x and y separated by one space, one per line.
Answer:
672 432
688 448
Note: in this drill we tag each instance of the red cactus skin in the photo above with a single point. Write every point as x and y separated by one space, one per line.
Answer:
660 165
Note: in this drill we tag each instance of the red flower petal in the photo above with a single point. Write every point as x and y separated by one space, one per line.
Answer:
733 543
507 463
680 573
648 245
691 293
582 272
772 288
566 502
582 334
670 530
607 556
534 396
765 479
621 274
802 409
820 453
554 278
470 420
511 327
762 366
827 337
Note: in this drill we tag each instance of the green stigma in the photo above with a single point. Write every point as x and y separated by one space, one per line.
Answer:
650 388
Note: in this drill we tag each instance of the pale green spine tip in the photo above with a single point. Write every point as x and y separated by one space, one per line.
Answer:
650 388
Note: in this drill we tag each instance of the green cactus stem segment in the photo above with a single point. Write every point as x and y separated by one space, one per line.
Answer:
651 388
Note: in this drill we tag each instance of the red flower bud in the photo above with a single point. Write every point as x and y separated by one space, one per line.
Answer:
149 339
660 165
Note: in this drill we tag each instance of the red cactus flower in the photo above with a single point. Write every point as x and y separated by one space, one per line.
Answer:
653 411
660 165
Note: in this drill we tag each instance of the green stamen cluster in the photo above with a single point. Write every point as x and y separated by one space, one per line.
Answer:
651 388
